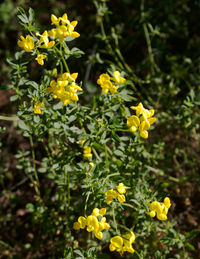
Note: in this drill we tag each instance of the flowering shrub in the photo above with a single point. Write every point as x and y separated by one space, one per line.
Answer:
94 151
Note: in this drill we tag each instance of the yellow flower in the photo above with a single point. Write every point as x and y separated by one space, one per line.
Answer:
104 81
159 209
121 198
55 20
133 122
91 165
40 59
65 88
103 78
92 224
37 107
97 213
64 28
81 142
116 243
121 188
44 39
26 43
119 194
128 240
139 109
142 120
117 78
110 195
122 243
87 152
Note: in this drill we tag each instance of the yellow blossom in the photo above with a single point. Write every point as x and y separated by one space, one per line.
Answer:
87 152
64 28
40 59
119 194
92 224
26 43
65 88
121 188
110 195
159 209
37 107
121 198
91 165
142 120
104 81
44 39
133 122
117 78
122 243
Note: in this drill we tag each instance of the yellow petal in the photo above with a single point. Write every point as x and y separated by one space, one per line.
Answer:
167 202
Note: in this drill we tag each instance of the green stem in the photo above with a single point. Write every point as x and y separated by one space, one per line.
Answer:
148 40
34 168
49 156
68 188
114 220
106 156
9 118
109 46
137 254
64 62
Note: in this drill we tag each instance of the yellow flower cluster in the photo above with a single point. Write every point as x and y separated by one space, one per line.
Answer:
65 88
142 120
87 152
64 28
93 223
37 108
122 243
119 194
105 82
159 209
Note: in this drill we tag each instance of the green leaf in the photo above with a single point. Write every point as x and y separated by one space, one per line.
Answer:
31 14
115 136
190 246
30 207
118 153
192 234
13 98
23 18
23 126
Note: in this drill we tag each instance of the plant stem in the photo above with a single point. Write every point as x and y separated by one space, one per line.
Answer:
114 220
148 40
34 168
109 46
106 156
9 118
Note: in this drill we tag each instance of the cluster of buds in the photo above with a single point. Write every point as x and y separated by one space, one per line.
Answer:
87 152
118 193
95 222
37 108
64 28
122 243
105 82
142 120
159 209
65 88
